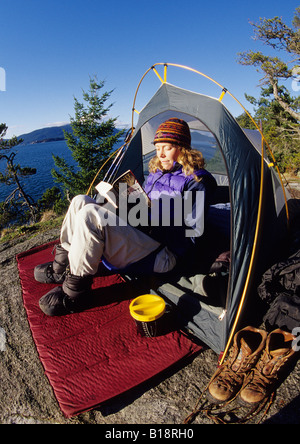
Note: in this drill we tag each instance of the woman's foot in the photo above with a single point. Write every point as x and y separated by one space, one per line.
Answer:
70 298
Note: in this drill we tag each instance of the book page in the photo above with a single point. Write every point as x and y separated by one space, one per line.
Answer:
126 187
134 189
106 191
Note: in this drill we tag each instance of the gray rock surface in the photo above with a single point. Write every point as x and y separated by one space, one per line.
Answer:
26 396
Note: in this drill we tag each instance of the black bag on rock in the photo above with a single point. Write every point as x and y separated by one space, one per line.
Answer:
280 288
284 312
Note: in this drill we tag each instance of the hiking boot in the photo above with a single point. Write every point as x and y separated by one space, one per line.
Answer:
70 298
77 286
53 272
262 380
247 346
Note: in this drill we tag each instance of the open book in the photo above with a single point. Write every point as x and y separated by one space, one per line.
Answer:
125 186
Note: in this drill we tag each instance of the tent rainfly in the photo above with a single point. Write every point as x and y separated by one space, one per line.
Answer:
258 216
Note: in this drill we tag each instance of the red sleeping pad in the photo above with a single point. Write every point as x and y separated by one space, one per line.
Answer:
93 356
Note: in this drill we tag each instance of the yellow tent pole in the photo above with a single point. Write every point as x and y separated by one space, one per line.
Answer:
102 166
135 95
224 90
165 66
274 164
222 94
154 70
165 72
253 253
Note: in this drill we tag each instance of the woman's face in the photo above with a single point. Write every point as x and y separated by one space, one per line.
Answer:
167 154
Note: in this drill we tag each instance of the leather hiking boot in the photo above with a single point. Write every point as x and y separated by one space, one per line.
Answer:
53 272
262 380
247 346
70 298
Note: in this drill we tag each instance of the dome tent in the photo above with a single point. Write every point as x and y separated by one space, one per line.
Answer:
258 203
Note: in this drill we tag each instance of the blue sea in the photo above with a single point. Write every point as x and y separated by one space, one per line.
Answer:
37 156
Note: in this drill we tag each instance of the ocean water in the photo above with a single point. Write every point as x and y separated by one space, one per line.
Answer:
37 156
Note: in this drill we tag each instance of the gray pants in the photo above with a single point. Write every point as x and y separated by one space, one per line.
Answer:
90 231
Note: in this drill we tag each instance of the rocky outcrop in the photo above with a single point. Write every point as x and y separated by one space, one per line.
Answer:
27 397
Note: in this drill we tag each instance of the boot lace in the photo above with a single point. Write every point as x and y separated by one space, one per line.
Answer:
51 274
229 379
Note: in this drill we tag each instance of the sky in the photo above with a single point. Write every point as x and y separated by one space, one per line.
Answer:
49 50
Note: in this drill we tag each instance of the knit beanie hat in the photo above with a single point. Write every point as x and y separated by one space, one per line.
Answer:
174 131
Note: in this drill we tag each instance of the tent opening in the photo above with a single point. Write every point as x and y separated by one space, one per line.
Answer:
217 238
233 156
202 140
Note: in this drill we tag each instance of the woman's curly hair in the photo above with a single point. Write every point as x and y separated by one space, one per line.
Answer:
190 159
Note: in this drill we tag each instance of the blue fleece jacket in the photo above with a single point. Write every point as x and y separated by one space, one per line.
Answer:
178 231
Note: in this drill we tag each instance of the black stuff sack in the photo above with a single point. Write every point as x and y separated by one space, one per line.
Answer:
280 289
284 312
283 277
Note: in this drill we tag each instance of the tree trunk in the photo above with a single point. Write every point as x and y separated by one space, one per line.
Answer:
30 206
282 103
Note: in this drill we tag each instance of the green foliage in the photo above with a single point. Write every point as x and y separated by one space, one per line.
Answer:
245 122
18 203
7 214
276 109
52 199
280 37
90 142
279 128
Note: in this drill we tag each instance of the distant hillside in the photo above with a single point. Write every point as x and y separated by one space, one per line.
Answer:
50 134
53 133
45 135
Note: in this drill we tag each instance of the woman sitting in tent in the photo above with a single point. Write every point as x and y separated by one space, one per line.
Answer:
86 237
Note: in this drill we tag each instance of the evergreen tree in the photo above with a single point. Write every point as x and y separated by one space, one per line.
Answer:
18 199
279 127
276 108
91 141
280 37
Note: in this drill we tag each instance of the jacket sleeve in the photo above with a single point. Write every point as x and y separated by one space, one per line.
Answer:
197 198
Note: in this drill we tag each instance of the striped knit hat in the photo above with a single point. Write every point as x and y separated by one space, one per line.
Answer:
174 131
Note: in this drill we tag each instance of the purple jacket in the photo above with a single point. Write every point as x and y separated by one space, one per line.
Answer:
171 183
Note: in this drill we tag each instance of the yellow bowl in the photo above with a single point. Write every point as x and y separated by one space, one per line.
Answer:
147 308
